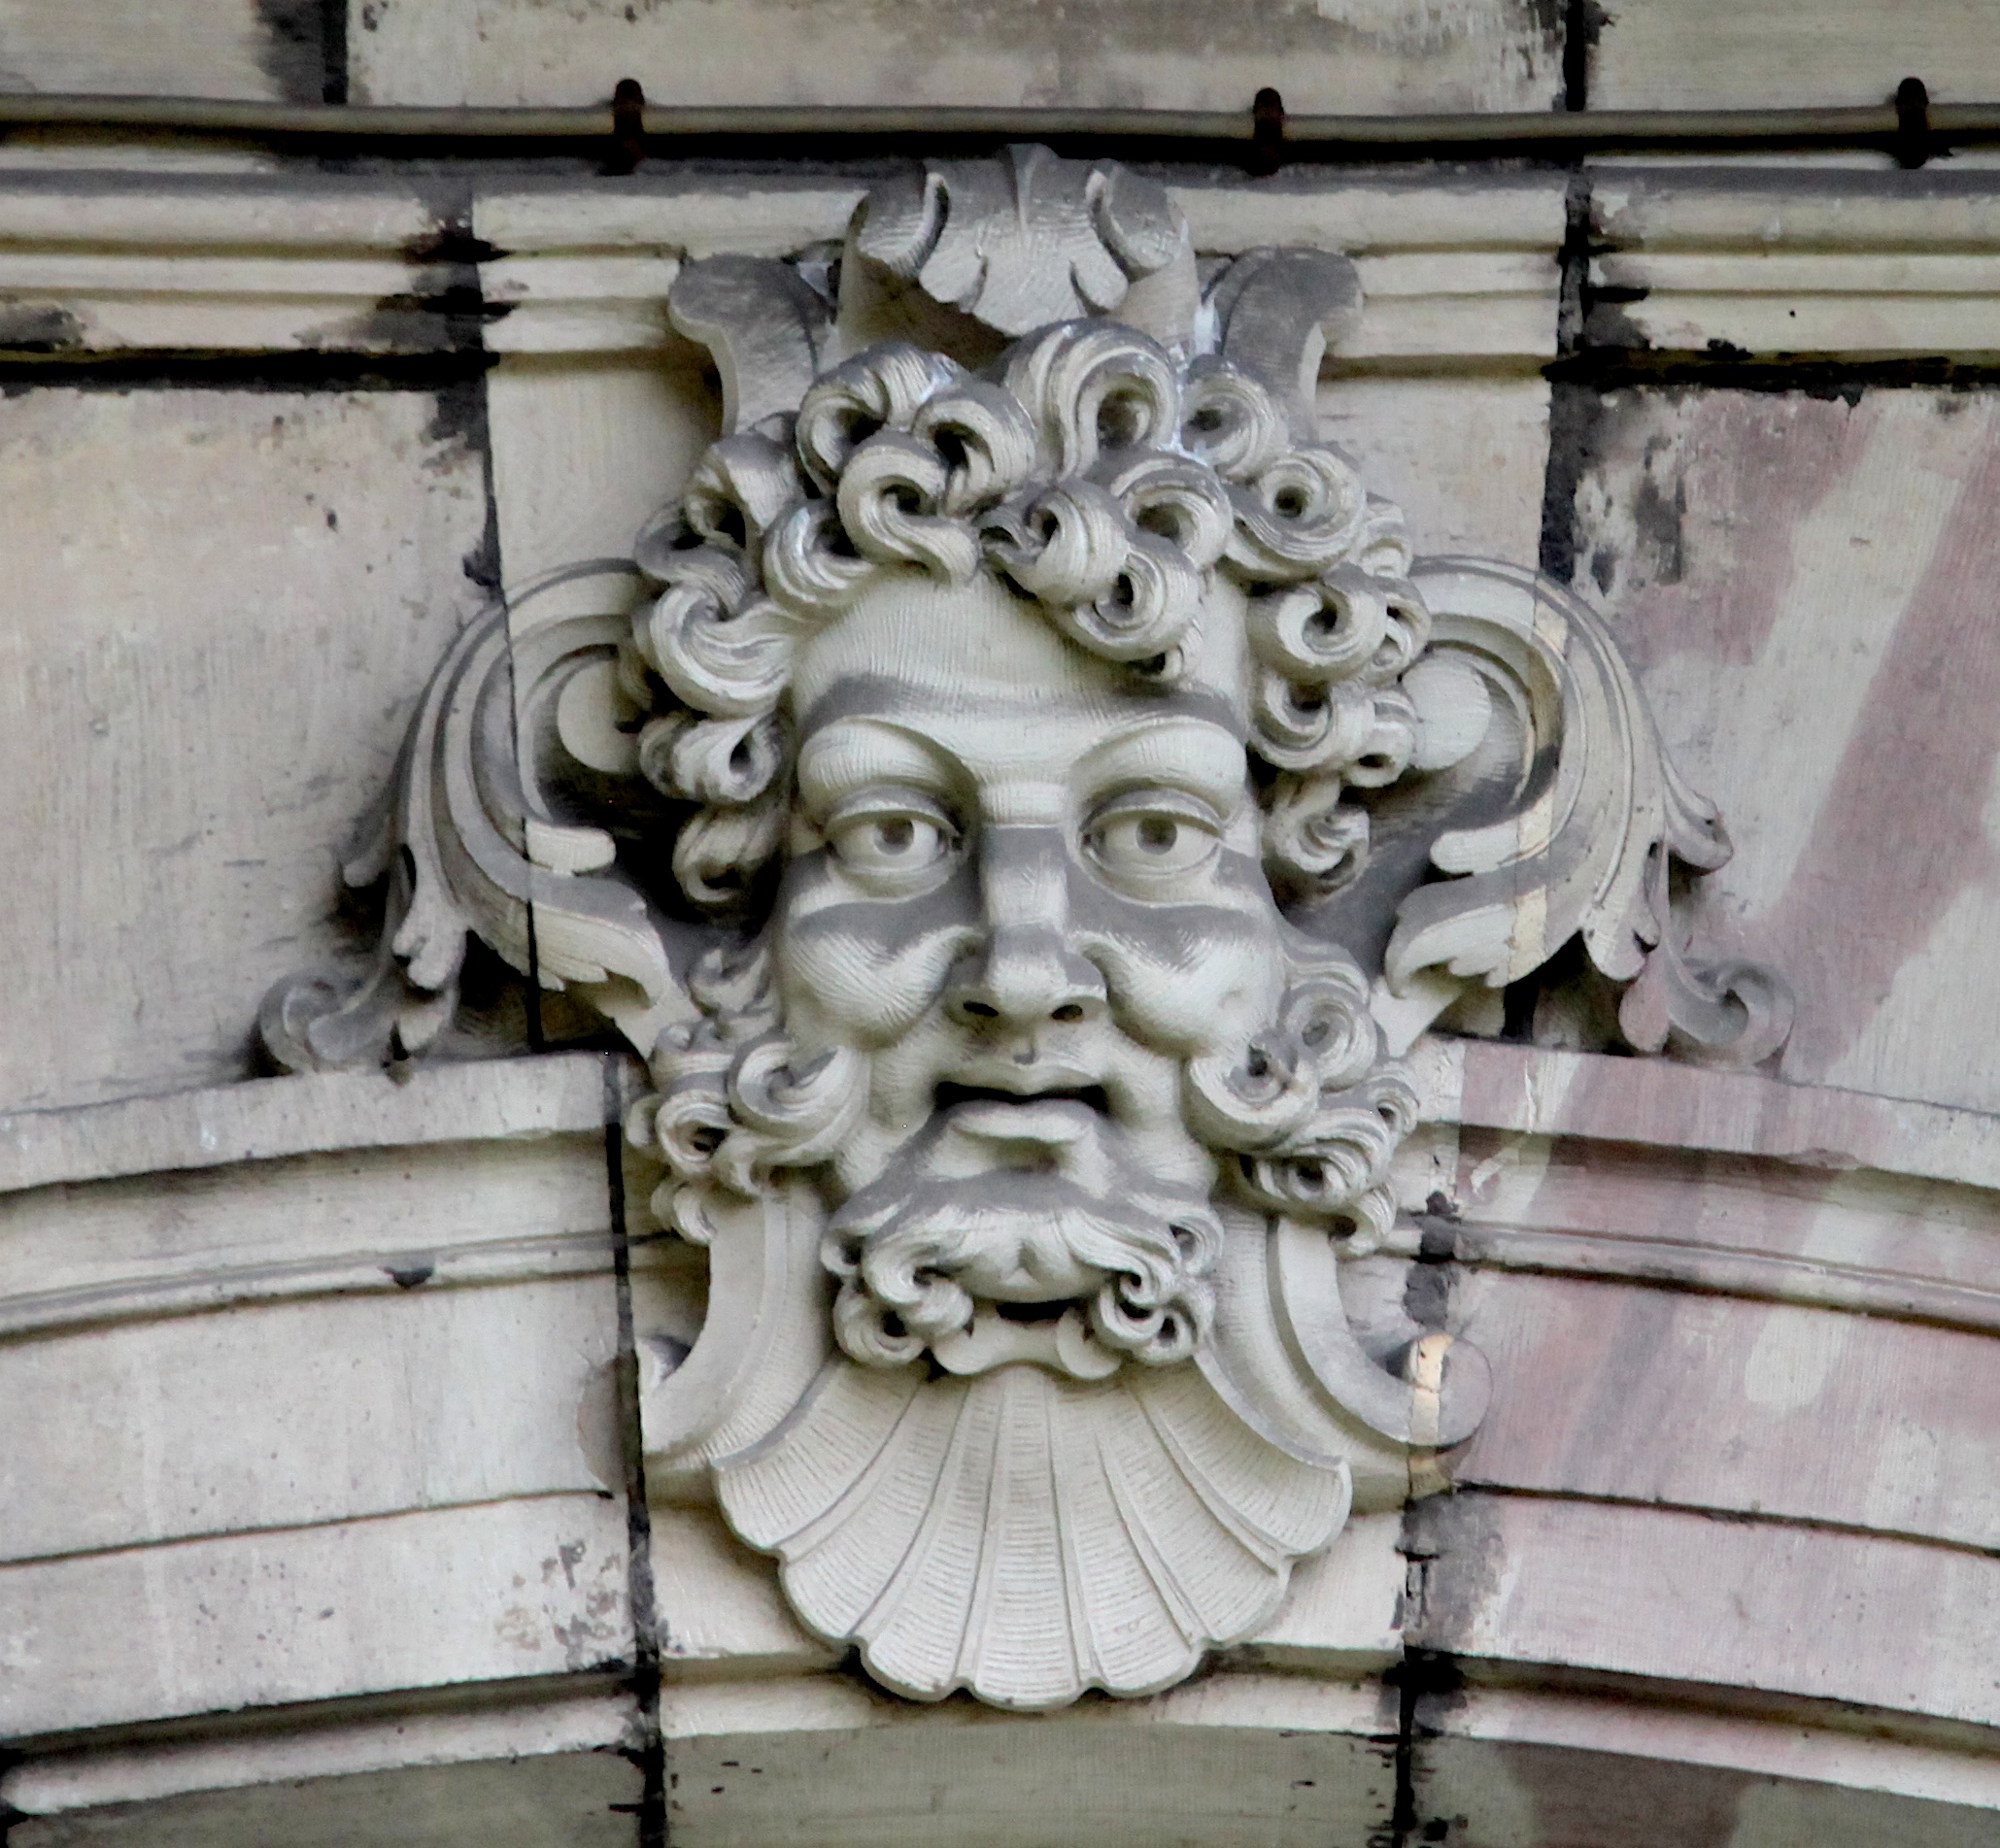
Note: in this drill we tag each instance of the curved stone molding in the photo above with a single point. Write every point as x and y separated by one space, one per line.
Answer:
270 1118
1008 828
1710 1182
483 1172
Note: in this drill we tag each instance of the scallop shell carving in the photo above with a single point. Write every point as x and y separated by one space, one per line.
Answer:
930 1520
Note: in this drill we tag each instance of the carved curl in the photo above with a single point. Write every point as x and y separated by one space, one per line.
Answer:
1307 1110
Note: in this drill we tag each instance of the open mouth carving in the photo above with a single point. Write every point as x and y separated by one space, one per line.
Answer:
1092 1095
1031 1314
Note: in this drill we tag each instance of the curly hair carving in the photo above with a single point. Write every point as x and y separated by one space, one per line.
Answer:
1100 477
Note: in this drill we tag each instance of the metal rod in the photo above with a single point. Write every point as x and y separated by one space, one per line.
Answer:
670 127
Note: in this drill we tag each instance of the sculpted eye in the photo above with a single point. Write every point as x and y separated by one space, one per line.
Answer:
1151 835
874 837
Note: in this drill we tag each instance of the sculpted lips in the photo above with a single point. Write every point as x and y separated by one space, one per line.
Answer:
1056 1114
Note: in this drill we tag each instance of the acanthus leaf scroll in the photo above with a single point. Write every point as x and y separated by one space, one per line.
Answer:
1035 800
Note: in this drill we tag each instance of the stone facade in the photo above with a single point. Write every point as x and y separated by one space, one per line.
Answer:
347 1494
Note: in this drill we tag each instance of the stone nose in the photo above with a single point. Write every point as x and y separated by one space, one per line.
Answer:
1024 970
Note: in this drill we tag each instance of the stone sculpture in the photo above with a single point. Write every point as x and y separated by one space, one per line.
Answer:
1036 798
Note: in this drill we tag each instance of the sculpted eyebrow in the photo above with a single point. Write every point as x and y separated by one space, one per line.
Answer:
1192 753
851 752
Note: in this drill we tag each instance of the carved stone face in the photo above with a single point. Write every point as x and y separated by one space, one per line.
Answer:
1027 889
978 650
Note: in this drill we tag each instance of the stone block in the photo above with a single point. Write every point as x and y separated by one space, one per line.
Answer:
1668 1596
1348 54
1720 1403
1720 55
220 608
96 261
1803 584
721 1612
268 1230
438 1598
1540 1768
658 215
293 1414
1275 1761
193 48
1545 1090
548 1772
1342 1613
502 1099
1456 270
1464 457
1784 260
573 1802
1907 1247
718 1605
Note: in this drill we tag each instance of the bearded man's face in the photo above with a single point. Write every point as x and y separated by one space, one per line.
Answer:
1026 886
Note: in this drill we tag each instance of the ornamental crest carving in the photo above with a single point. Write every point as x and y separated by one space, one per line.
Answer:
1022 801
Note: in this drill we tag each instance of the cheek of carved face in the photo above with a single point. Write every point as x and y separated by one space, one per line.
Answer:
1014 880
861 964
1180 921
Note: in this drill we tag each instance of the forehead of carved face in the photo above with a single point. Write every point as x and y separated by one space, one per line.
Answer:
1019 872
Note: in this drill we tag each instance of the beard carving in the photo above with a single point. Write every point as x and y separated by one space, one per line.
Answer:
921 1253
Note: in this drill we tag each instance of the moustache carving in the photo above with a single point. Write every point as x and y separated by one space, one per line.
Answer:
915 1254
